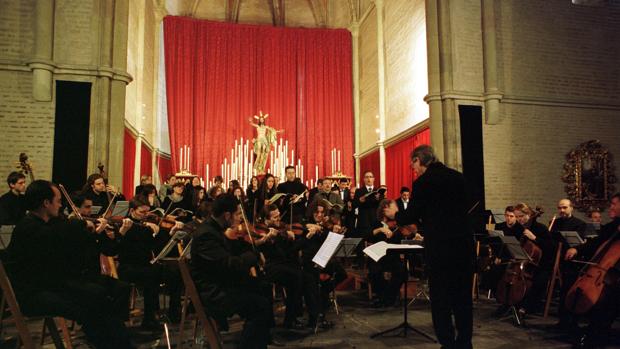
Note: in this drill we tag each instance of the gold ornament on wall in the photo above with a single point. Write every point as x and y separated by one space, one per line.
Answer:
589 176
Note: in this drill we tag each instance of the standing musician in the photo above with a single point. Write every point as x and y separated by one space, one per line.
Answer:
37 262
528 229
367 206
136 249
222 275
13 202
326 193
315 190
440 208
293 186
266 191
566 221
403 201
603 313
387 275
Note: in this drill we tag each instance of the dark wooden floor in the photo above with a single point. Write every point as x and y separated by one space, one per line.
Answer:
356 322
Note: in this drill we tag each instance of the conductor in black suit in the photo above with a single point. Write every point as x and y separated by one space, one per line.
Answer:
441 208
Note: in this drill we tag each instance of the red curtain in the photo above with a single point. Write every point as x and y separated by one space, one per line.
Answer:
146 162
164 166
218 75
397 167
129 162
370 162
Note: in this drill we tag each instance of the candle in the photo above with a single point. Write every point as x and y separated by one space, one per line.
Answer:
338 169
316 172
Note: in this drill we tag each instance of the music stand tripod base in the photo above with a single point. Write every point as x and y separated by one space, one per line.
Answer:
402 329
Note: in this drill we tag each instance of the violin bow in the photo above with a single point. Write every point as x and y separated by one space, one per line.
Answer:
71 203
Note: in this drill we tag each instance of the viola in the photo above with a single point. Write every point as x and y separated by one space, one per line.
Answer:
588 289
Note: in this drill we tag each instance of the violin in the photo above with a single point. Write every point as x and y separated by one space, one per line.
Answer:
405 230
165 222
587 290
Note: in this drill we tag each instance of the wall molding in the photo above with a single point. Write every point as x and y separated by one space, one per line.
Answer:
407 133
66 69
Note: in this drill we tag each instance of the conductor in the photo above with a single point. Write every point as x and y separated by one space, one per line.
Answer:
440 208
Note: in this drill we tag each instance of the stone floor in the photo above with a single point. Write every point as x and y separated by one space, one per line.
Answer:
356 322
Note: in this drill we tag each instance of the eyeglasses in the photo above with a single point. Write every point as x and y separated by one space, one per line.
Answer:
562 207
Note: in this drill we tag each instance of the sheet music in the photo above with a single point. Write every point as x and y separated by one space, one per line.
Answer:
327 250
379 250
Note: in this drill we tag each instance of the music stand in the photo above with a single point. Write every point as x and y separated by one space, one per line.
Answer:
346 249
512 247
571 238
401 330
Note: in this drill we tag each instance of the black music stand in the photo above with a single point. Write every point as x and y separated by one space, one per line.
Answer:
405 326
512 247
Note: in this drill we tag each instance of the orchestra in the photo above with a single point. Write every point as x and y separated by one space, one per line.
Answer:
248 244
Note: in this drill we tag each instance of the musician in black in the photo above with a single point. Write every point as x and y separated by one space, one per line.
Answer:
266 191
388 274
403 201
315 190
328 196
38 264
136 250
565 220
366 205
294 187
528 228
222 275
13 202
440 207
603 314
96 191
509 225
495 268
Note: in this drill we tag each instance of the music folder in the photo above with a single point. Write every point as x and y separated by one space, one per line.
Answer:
327 250
378 250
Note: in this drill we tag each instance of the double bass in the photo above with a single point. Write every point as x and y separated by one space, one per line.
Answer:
588 289
25 167
517 278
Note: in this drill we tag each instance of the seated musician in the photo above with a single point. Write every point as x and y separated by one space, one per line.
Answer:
13 202
282 265
566 221
37 262
136 250
528 229
85 241
222 273
322 281
603 314
491 276
388 274
97 190
509 225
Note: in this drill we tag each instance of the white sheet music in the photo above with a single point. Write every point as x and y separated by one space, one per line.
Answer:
378 250
327 250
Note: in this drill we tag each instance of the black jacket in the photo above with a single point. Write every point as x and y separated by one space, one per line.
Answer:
294 187
12 208
401 204
570 224
440 208
367 211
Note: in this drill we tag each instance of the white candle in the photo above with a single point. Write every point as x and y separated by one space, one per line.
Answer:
316 172
207 174
338 169
301 176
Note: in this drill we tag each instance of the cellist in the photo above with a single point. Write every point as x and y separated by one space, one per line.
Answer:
606 310
529 230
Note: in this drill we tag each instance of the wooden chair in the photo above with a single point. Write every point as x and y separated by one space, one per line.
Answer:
210 328
8 296
555 276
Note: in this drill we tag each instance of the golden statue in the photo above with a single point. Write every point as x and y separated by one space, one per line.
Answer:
265 138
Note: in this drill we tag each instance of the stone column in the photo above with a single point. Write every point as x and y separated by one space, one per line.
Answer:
41 64
434 85
492 95
354 29
381 86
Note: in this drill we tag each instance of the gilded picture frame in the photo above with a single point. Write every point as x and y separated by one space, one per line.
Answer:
589 176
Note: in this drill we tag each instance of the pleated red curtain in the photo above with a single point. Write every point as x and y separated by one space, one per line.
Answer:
218 75
397 165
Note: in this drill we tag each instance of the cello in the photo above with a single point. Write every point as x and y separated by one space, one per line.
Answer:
588 289
25 167
517 278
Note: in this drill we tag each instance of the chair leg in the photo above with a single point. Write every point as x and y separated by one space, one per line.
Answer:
51 326
183 318
66 335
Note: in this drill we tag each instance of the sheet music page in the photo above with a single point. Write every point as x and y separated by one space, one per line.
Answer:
327 250
378 250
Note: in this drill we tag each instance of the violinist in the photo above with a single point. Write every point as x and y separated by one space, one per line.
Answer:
37 262
13 202
529 230
294 187
136 249
387 275
603 313
566 221
85 241
311 243
223 278
281 264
